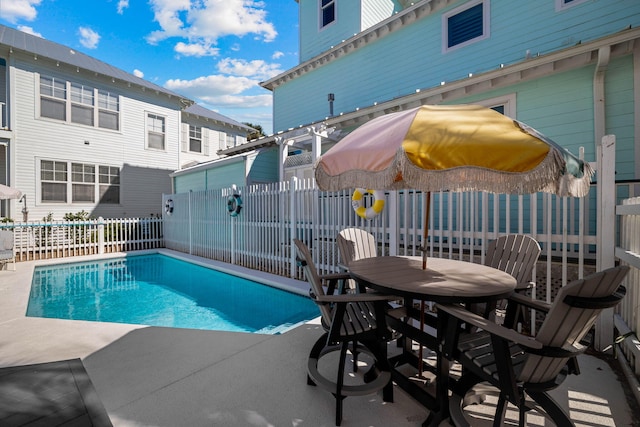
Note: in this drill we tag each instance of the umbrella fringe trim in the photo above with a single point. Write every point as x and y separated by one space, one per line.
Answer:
549 176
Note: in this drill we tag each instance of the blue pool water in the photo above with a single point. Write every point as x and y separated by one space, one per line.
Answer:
159 290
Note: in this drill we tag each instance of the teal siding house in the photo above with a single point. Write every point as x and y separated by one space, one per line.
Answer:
569 68
255 167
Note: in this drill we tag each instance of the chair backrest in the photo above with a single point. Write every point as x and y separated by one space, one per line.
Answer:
6 240
571 316
515 254
305 261
354 244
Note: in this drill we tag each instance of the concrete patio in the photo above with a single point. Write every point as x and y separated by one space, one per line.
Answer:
149 376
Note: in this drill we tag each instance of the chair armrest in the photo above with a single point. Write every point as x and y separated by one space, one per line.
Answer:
531 303
489 326
334 276
360 297
523 286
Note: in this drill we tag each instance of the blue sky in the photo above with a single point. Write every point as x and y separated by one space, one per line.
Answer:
215 52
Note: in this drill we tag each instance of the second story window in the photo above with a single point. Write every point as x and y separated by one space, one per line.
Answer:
195 139
76 103
327 12
81 104
155 131
466 24
108 110
53 98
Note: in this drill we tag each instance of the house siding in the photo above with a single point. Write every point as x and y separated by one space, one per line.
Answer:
411 57
144 173
261 167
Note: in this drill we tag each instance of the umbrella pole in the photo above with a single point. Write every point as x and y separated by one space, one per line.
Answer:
425 234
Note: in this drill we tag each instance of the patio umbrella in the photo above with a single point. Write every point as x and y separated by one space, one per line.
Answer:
451 148
7 192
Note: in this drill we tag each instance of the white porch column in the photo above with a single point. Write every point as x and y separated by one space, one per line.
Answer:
606 229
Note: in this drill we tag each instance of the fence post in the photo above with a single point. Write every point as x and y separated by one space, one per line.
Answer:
100 235
293 186
605 252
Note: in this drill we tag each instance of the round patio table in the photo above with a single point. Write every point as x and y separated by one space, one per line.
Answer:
444 281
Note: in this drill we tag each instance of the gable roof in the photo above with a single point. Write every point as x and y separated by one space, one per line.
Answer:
20 41
199 110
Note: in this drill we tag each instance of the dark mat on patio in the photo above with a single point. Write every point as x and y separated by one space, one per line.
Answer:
50 394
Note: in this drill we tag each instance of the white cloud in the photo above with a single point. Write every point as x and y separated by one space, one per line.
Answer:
258 69
210 20
196 49
236 101
277 55
88 37
138 73
211 86
29 30
122 5
15 10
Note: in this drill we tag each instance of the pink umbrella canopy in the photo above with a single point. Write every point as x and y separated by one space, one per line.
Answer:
7 192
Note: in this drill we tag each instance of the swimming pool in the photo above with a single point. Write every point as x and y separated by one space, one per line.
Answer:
159 290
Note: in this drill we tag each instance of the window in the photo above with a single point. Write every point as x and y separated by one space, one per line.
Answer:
195 139
565 4
53 177
327 12
81 185
53 98
231 140
109 186
83 178
108 110
80 106
503 104
155 131
466 24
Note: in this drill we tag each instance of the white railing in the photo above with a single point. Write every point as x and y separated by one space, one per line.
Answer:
55 239
628 251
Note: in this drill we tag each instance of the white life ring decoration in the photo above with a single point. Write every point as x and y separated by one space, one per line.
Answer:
234 204
357 201
168 206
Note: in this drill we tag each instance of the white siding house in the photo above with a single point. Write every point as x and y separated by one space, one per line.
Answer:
81 135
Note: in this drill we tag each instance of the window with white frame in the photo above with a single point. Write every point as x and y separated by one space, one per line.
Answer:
466 24
231 140
53 181
195 139
327 12
80 105
155 131
503 104
108 110
109 184
57 185
53 98
83 178
565 4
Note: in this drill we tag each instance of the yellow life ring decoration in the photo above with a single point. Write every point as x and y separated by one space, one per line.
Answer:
373 210
234 205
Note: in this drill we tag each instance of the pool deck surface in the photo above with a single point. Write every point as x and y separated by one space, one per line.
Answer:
150 376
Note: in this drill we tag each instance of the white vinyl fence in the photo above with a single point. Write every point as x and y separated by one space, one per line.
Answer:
628 251
35 240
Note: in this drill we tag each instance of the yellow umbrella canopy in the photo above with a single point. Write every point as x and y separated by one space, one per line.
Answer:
451 147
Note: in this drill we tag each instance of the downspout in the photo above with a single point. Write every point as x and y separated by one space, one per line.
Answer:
604 55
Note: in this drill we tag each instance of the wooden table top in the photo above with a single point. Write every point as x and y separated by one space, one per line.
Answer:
444 280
